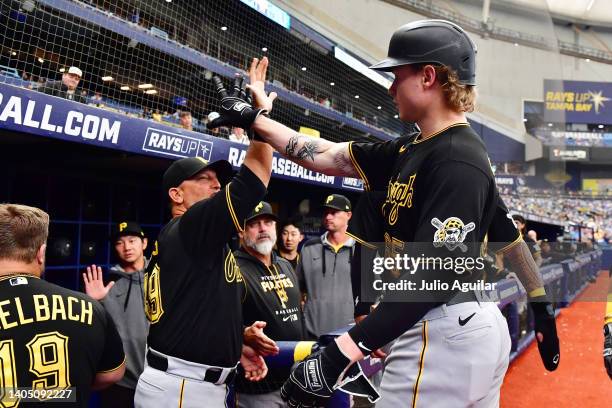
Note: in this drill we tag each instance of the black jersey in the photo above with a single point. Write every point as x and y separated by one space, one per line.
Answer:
367 228
272 295
53 338
194 288
439 190
502 232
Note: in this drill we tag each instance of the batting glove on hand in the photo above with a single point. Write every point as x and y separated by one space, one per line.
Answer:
607 352
235 109
544 324
313 381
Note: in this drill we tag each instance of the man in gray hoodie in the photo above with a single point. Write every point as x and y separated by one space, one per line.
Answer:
123 298
324 271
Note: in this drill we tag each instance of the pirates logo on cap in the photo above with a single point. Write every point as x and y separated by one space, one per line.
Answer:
259 207
329 199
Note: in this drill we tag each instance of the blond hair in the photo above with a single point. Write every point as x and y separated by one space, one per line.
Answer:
23 230
459 97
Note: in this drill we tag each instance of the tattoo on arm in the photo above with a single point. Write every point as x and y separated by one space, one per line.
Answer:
291 145
308 150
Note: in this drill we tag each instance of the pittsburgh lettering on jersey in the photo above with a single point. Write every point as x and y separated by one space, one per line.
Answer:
399 195
232 270
53 307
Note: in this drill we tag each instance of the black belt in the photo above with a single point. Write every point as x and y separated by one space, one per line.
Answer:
462 297
212 374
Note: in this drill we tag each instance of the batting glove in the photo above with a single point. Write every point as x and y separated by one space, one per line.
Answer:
235 108
607 352
544 322
313 381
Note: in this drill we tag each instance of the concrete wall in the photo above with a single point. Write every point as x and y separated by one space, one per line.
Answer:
506 74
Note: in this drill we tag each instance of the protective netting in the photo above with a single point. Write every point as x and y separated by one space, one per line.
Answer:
155 59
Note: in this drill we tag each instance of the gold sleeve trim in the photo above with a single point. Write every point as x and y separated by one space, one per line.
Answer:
518 240
230 207
366 183
113 369
537 292
361 241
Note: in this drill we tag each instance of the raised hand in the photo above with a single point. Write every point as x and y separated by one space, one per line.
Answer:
234 110
257 78
94 285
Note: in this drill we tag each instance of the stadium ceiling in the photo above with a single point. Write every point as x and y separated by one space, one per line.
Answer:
582 11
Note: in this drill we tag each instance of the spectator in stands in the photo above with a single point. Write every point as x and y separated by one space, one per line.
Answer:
67 87
157 116
186 120
123 298
289 239
521 225
324 270
239 135
96 100
271 304
533 235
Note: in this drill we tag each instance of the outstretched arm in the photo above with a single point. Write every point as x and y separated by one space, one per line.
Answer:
315 154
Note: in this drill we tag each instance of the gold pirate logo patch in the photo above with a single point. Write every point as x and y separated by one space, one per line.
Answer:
399 195
259 207
329 199
451 233
232 270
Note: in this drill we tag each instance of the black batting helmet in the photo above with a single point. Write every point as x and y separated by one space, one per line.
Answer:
432 42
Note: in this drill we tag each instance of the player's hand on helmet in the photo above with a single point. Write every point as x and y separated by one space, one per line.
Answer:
94 285
255 338
546 332
313 381
255 368
235 110
607 351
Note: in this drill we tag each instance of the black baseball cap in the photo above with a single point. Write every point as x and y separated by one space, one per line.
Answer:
124 228
184 169
260 209
337 202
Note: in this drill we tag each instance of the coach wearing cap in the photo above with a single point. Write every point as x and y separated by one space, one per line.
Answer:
193 286
271 305
67 87
324 270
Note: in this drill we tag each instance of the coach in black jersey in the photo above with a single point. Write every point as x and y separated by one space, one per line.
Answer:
440 202
272 301
193 286
53 341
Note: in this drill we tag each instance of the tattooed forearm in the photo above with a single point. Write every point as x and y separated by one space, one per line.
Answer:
291 145
308 150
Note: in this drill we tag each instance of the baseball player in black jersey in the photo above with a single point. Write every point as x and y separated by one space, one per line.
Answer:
449 350
271 304
193 286
55 343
